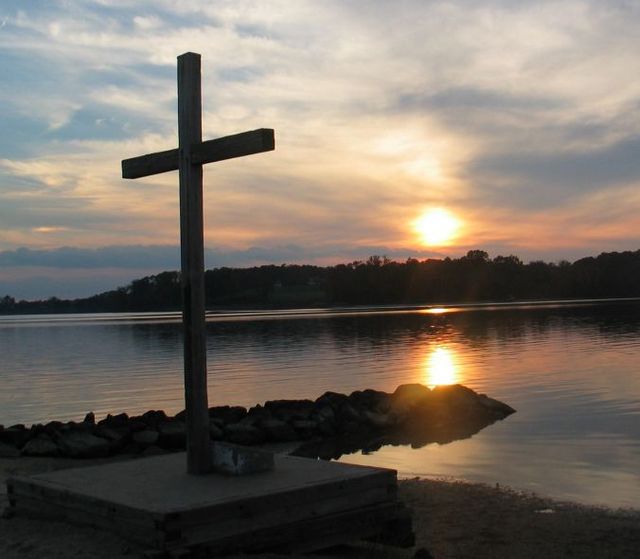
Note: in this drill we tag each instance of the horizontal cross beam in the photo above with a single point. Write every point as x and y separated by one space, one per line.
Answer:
228 147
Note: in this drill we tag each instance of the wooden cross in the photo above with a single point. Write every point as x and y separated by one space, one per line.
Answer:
188 159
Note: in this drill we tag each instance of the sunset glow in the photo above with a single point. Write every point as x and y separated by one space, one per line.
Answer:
383 145
436 227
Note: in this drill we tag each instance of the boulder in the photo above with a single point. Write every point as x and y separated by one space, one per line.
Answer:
305 428
332 399
81 444
498 409
54 429
288 410
146 438
244 433
348 414
259 414
215 432
153 418
371 400
119 420
90 418
16 435
117 436
325 427
136 424
379 421
408 396
227 414
41 445
278 431
173 434
325 413
8 451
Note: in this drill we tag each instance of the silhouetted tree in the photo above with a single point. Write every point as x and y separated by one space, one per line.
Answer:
377 280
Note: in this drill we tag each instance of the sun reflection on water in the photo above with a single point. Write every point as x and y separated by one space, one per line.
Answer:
441 368
435 310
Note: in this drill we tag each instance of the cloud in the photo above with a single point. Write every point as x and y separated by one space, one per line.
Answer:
546 179
135 257
520 118
160 258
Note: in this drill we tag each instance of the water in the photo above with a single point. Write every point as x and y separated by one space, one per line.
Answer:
571 371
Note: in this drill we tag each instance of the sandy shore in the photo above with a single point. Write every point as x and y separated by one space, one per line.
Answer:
451 519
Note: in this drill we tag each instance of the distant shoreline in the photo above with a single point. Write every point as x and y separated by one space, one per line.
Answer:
378 280
257 310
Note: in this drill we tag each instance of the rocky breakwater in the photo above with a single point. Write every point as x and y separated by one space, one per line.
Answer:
332 425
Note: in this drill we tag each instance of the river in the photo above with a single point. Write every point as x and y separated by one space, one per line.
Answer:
571 370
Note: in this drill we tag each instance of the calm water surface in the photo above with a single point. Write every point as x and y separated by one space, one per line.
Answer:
571 371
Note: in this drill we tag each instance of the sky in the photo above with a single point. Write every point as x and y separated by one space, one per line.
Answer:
404 128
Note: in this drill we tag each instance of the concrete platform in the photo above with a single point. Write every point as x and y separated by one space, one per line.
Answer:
301 504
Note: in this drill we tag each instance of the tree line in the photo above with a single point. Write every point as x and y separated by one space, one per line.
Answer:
474 277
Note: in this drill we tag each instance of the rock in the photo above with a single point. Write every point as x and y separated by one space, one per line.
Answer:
408 396
325 419
8 451
243 433
114 420
288 410
217 422
146 438
325 413
332 425
173 434
380 421
355 428
116 436
215 432
16 435
80 444
136 424
372 400
278 431
40 446
499 409
326 428
53 429
227 414
305 428
455 394
153 418
259 414
348 414
332 399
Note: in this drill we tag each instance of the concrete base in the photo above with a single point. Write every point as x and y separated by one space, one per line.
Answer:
301 504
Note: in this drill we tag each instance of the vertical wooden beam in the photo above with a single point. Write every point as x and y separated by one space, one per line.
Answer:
199 459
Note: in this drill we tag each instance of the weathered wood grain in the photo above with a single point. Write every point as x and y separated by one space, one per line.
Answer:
210 151
188 159
199 458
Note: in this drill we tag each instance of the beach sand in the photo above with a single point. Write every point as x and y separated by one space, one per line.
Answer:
452 519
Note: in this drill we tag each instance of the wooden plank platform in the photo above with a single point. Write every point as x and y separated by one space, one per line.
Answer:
302 504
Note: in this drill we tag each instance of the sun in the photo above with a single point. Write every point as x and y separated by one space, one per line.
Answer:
436 227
